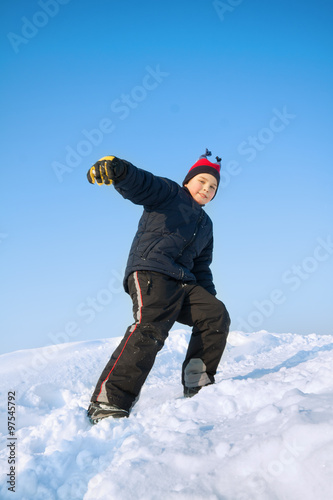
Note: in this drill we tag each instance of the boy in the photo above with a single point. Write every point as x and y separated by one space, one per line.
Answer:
168 278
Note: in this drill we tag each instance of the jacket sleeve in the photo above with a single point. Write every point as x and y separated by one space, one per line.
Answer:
202 271
144 188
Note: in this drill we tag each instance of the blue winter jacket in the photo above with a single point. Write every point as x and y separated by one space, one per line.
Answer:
174 236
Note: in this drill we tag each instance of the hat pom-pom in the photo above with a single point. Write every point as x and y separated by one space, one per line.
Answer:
208 153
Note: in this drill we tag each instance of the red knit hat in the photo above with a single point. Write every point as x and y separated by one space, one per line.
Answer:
204 166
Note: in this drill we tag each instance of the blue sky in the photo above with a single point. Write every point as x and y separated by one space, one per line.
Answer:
156 83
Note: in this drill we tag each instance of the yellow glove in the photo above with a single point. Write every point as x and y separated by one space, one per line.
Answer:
102 172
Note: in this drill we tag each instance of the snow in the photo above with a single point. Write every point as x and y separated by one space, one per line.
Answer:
264 431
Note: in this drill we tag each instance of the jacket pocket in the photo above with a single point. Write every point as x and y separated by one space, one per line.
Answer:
147 250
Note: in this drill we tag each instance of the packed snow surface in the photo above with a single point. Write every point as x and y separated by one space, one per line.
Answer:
264 431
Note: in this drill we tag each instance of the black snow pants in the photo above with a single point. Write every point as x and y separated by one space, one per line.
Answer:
159 301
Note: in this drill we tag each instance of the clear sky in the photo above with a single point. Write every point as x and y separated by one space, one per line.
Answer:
156 83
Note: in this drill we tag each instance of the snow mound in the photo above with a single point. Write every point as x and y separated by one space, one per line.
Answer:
264 431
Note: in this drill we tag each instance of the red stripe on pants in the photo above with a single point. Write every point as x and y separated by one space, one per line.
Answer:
139 317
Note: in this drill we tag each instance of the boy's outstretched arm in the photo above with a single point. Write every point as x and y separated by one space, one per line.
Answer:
137 185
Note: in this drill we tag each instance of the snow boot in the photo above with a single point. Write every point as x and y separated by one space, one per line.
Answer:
98 411
189 392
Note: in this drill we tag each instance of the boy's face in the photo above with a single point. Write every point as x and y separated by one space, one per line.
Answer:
202 188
